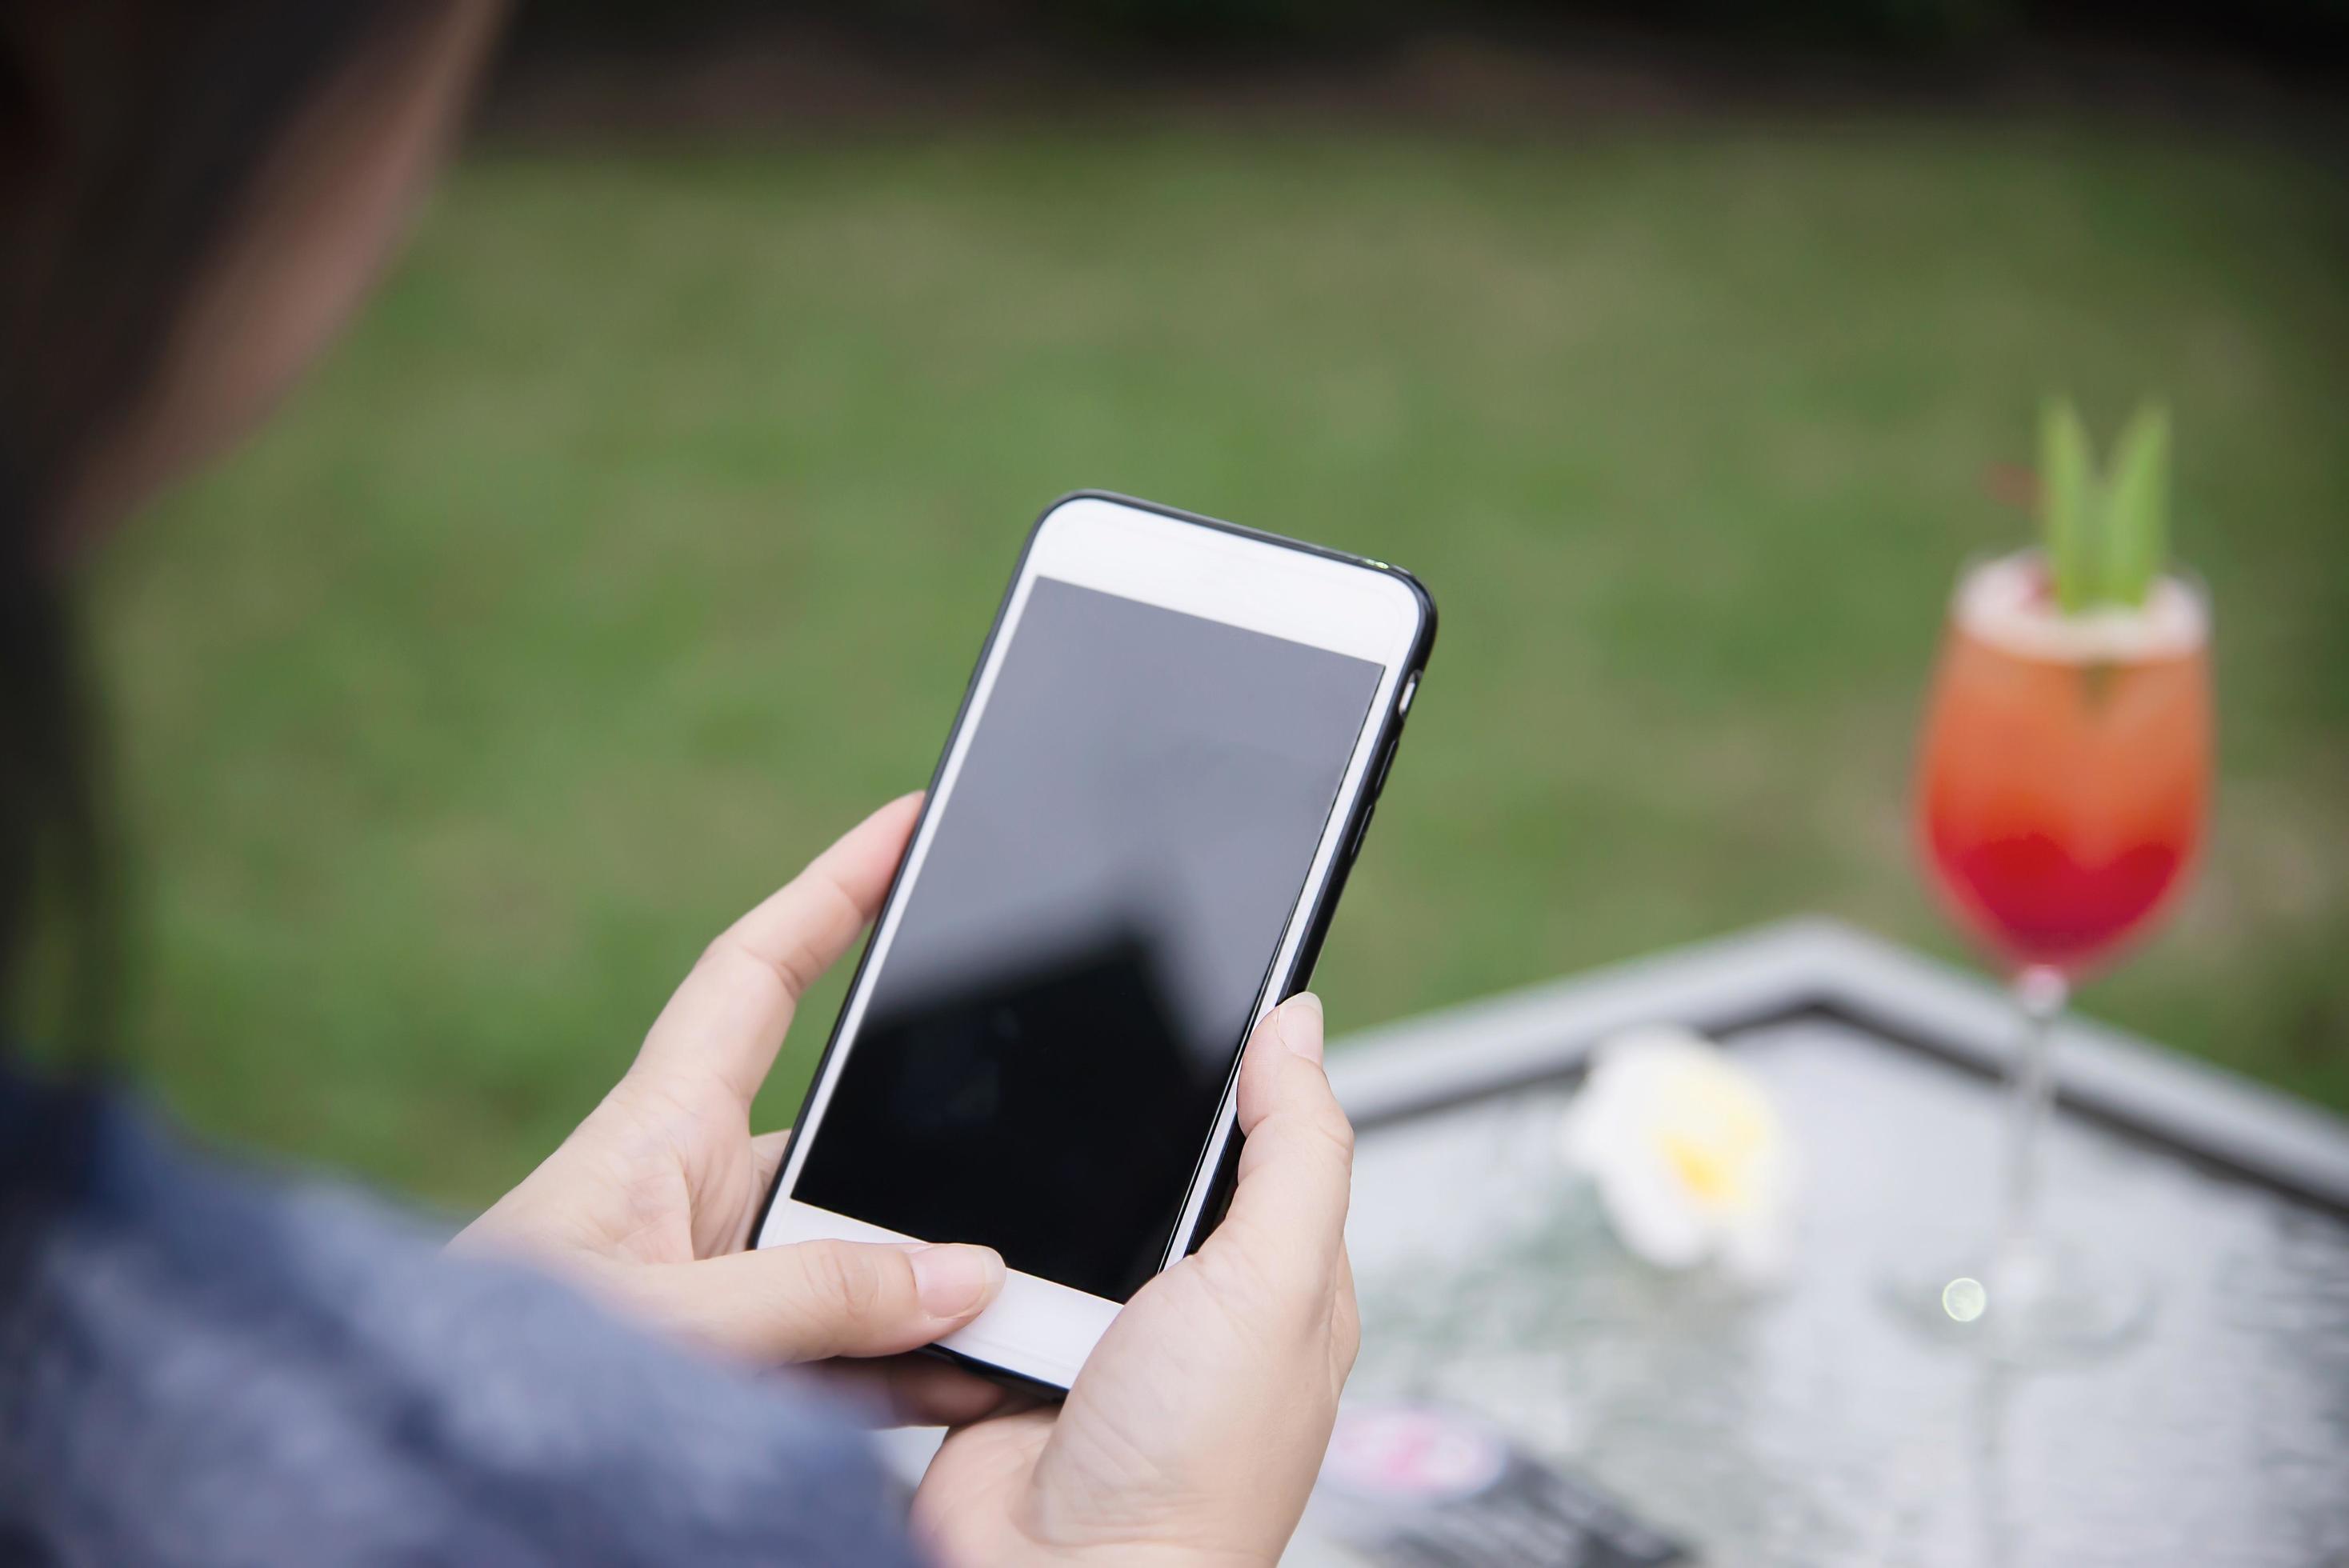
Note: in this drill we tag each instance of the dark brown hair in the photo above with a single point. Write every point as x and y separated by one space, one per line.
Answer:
129 129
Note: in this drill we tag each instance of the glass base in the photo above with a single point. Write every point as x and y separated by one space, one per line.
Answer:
2054 1302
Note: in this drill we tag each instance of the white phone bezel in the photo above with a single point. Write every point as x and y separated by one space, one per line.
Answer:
1040 1329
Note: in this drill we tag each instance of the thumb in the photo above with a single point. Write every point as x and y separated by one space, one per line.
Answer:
1296 1164
812 1300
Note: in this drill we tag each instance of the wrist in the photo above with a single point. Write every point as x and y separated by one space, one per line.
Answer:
1022 1550
1014 1544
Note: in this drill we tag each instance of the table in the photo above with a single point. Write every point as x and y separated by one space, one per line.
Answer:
1809 1425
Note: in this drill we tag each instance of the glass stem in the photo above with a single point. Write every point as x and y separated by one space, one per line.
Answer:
2039 993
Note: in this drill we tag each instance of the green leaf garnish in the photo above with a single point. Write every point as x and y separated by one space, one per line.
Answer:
2107 539
2136 507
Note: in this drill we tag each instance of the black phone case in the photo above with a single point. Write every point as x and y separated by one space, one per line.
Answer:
1317 918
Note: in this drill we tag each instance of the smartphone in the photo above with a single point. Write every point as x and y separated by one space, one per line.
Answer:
1163 768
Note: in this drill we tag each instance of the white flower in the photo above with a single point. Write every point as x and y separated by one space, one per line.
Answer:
1690 1158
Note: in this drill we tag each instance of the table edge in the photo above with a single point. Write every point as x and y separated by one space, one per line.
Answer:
1815 964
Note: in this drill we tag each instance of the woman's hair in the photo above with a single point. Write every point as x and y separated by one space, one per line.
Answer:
129 131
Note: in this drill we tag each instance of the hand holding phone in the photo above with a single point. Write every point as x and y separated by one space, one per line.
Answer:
1205 1409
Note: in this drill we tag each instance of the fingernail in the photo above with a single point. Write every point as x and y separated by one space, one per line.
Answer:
1305 1038
951 1281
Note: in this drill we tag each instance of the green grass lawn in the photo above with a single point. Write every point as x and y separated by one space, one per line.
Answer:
641 537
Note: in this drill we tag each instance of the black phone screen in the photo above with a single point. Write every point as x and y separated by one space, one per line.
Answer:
1051 1030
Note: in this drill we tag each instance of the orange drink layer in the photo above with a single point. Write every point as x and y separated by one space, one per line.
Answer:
2065 766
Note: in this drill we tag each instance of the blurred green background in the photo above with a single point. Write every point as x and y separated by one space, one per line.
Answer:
640 537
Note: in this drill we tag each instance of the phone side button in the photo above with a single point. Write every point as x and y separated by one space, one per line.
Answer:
1355 848
1410 690
1386 760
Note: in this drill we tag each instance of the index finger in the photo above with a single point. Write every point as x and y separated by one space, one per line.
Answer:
728 1016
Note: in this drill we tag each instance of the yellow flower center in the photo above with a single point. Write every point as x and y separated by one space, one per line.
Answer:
1706 1172
1716 1136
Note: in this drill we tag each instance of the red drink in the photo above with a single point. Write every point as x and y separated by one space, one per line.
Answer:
2060 789
2065 766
